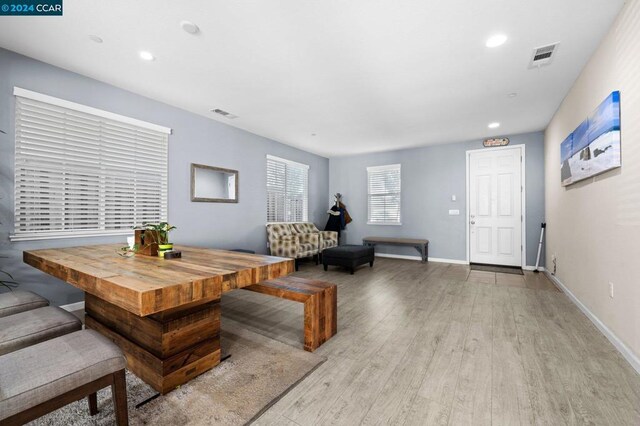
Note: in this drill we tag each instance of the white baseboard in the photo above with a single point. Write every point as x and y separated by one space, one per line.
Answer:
398 256
626 352
533 268
73 306
454 261
418 258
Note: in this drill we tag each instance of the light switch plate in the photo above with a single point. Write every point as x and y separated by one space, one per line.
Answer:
453 198
454 212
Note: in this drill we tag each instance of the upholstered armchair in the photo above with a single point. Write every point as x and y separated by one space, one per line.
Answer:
327 239
284 242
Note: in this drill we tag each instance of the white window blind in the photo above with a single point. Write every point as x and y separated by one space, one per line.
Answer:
81 171
287 190
384 194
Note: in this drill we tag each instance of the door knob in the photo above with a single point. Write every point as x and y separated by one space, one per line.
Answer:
473 222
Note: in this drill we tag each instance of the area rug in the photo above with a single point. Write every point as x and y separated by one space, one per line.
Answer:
494 268
258 373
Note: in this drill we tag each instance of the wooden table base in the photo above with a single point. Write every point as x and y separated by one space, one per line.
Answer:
166 349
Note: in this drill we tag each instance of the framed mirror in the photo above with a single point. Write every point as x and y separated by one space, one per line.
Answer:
213 184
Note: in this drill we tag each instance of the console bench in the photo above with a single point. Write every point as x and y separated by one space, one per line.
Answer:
421 245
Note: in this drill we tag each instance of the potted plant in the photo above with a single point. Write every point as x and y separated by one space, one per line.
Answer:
153 238
4 282
7 283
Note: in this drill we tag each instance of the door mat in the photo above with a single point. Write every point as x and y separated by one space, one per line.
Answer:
496 268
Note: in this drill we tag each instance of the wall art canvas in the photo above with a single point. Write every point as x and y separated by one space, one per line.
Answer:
594 146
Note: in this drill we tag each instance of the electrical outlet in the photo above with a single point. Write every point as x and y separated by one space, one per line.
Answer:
611 290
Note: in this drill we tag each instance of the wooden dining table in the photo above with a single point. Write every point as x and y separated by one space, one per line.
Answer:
163 313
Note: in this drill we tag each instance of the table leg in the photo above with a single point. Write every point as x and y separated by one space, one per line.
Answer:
165 350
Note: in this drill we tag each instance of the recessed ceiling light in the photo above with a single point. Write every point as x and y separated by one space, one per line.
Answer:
190 27
496 40
95 38
512 95
494 125
147 56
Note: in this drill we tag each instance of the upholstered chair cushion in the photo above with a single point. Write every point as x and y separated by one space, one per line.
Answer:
13 302
37 325
295 240
41 372
313 239
304 228
328 239
286 246
278 230
309 234
307 250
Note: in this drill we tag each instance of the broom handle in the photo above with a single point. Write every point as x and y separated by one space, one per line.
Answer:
542 226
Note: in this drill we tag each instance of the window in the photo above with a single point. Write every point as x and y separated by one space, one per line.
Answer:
287 190
80 171
384 195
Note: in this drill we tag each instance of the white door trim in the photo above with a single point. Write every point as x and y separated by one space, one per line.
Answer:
523 198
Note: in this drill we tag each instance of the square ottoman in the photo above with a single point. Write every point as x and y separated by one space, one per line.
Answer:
348 255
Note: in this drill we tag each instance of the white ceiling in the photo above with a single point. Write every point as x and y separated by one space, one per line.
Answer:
363 75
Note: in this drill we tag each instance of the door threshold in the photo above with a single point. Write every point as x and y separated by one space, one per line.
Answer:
504 269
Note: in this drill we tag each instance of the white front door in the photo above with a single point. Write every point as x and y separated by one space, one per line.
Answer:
495 206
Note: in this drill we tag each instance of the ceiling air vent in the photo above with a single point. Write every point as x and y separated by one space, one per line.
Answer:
543 55
224 113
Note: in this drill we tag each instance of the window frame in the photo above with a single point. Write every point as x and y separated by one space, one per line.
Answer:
99 183
294 164
371 169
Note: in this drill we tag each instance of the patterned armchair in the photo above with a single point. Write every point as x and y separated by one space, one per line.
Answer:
327 239
284 242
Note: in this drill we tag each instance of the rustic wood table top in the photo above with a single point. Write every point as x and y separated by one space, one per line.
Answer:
146 285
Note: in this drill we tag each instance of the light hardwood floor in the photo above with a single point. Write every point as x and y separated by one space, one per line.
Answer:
438 344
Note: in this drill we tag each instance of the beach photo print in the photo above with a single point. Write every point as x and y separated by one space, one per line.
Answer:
594 146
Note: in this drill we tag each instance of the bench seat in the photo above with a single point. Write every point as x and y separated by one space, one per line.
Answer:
17 301
421 245
46 376
37 325
320 305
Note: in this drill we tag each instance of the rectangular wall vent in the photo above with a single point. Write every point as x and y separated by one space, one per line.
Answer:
224 113
543 55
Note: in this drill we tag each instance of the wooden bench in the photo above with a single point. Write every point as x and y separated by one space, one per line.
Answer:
320 305
421 245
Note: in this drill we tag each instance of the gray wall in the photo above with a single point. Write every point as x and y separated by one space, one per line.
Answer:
194 139
430 175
